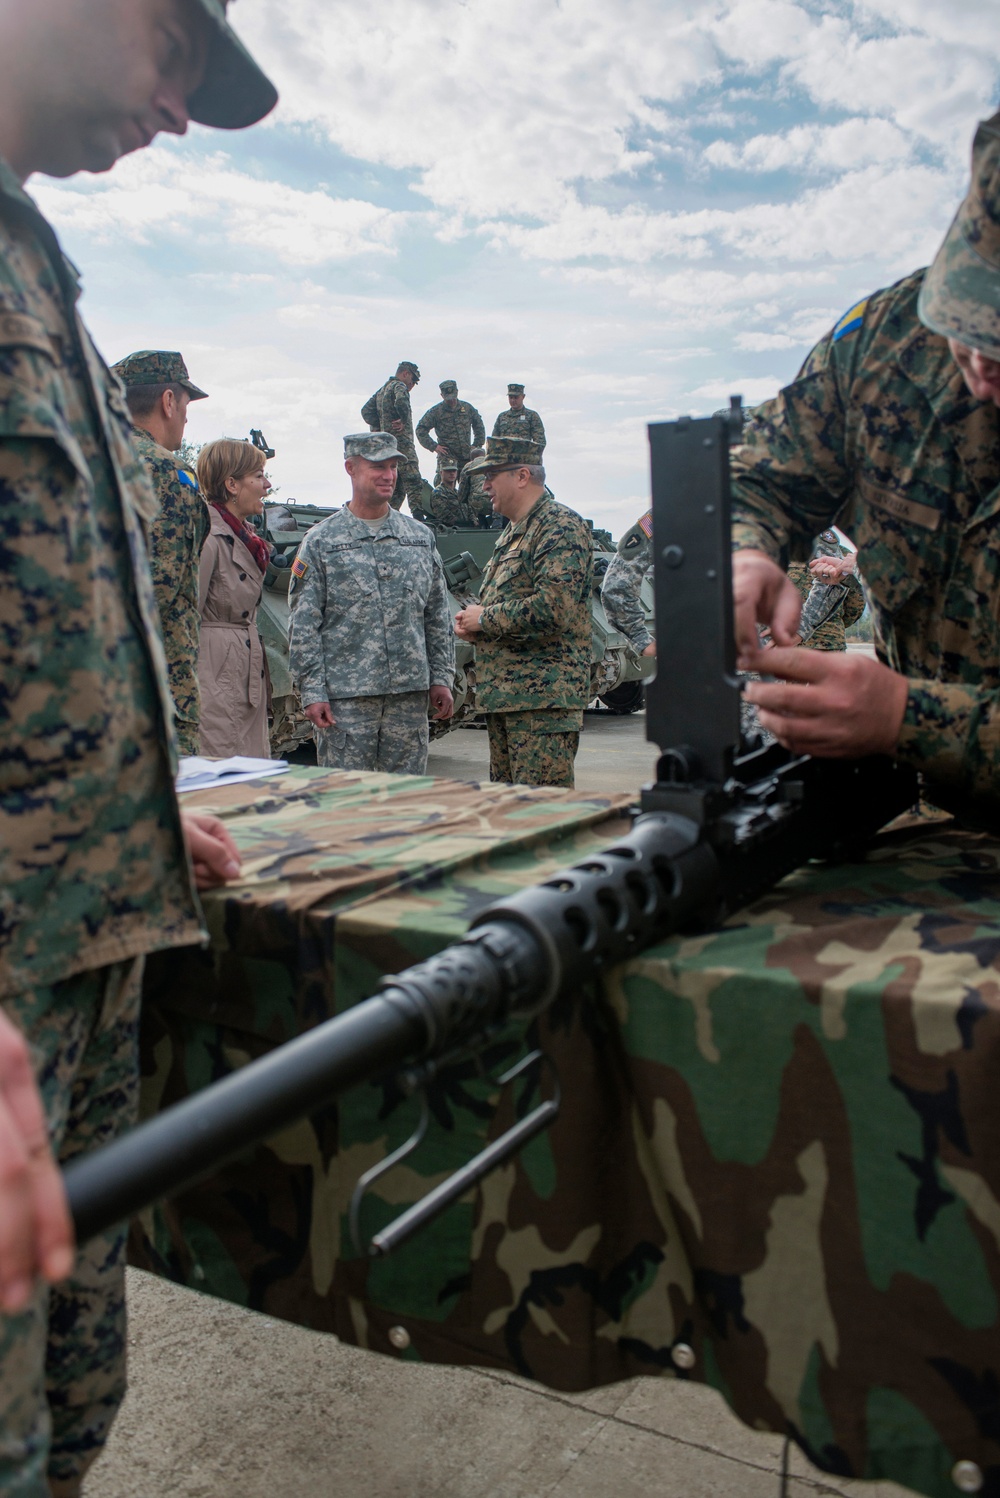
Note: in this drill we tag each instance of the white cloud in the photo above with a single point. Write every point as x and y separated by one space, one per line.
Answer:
808 148
158 194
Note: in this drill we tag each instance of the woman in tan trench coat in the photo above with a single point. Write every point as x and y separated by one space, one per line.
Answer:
231 668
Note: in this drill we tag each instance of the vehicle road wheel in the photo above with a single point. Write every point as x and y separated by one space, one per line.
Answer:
623 699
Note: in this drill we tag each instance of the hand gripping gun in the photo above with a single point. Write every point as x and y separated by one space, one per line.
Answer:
716 829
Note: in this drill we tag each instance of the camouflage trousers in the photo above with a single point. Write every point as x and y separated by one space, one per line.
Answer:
534 748
408 481
376 733
62 1360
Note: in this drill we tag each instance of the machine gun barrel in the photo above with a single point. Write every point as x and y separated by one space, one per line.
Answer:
520 954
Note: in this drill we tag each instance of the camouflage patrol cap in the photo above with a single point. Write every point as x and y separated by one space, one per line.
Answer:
507 452
515 389
234 92
448 464
414 371
377 447
960 295
448 387
156 366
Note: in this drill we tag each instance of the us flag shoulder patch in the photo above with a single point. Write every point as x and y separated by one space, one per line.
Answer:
645 524
299 567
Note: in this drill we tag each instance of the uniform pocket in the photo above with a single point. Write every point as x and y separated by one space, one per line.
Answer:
903 546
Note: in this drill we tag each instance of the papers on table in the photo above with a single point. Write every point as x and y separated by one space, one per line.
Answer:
197 774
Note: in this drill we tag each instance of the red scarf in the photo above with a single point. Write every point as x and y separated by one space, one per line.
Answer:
255 544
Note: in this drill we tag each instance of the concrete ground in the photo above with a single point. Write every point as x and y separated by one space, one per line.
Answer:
223 1401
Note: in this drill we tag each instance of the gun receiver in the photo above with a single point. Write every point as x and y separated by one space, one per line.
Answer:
716 829
259 441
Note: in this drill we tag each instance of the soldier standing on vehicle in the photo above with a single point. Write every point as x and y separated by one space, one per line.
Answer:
531 626
94 869
457 427
917 494
520 420
388 410
158 391
370 632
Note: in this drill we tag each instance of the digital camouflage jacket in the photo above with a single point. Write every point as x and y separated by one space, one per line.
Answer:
176 538
391 403
534 651
523 423
818 629
370 612
93 868
879 434
458 430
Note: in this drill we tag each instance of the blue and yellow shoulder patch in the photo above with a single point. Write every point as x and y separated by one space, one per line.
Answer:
187 479
850 322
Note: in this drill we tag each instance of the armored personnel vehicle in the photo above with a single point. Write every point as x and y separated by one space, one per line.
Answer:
617 673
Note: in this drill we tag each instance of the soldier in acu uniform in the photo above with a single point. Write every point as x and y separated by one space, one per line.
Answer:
919 496
158 392
531 626
388 410
832 597
371 636
94 870
520 420
456 426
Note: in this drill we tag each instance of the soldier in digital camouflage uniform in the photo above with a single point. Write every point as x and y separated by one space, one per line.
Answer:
531 626
370 632
829 608
442 506
388 410
519 420
472 496
818 628
95 873
157 392
457 427
917 493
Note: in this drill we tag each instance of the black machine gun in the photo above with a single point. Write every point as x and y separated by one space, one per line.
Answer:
717 828
260 442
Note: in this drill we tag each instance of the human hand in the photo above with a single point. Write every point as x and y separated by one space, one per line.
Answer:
762 594
320 715
650 648
397 425
831 569
36 1232
467 621
441 450
835 704
213 852
442 702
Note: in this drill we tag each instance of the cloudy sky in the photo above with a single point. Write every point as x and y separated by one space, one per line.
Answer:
633 207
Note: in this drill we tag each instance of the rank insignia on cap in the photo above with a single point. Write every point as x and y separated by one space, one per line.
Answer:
646 524
299 567
187 479
851 320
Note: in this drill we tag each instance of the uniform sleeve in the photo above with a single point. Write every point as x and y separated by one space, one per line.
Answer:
620 596
439 632
951 734
307 601
854 603
497 432
560 566
369 412
792 475
478 430
424 429
537 430
174 540
399 399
